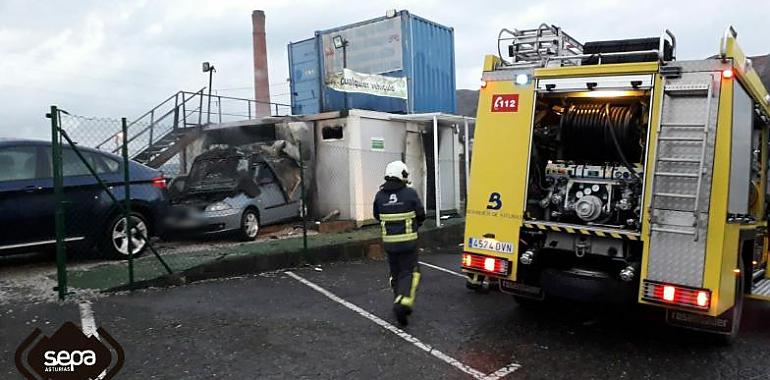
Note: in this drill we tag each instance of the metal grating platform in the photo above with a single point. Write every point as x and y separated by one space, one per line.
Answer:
762 288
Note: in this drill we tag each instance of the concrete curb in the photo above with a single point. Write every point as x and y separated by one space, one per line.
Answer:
257 263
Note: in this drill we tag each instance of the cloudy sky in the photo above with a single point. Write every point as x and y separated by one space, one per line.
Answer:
120 58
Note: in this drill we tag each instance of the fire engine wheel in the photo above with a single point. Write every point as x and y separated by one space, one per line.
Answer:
737 310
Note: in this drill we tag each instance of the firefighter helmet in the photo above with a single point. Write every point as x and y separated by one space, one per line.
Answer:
397 170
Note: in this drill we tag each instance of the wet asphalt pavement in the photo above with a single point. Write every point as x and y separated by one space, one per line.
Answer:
274 326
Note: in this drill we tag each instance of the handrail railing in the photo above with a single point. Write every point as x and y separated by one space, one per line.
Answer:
600 55
152 127
153 122
150 113
251 112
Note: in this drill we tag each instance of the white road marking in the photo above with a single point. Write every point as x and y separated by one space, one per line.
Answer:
476 374
88 325
87 321
436 267
503 372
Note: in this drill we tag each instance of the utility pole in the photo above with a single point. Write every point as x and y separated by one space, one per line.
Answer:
207 67
341 43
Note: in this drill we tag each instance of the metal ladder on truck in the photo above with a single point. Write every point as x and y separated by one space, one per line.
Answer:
680 155
681 173
537 45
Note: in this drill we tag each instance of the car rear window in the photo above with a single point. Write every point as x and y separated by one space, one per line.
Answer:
18 163
72 165
215 172
109 165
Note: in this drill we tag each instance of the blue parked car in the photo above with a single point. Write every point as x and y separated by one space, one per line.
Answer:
92 220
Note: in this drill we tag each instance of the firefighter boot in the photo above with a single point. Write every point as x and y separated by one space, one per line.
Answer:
401 311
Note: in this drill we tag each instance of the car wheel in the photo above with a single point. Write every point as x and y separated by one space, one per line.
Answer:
115 242
249 225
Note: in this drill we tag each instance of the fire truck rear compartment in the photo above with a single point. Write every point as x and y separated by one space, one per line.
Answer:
586 158
586 171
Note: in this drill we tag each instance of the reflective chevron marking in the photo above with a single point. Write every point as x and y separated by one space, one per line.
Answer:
574 229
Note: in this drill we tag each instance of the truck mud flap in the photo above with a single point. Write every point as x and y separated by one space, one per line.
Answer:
519 289
722 324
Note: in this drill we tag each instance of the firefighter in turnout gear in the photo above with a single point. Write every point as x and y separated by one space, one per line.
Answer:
401 213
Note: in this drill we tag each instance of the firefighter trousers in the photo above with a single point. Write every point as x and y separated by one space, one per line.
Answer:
404 275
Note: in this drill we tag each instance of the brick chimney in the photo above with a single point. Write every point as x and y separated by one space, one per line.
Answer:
261 83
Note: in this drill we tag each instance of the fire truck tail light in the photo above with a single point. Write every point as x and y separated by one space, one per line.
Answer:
669 293
699 299
485 263
489 264
467 260
703 299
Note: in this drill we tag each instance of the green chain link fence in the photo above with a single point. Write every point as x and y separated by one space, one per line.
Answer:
95 213
102 210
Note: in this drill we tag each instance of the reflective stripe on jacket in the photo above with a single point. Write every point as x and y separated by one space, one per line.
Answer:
407 218
400 212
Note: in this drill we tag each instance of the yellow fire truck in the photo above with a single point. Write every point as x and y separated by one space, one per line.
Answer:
611 171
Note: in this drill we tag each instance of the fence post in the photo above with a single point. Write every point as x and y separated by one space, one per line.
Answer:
127 206
303 198
58 190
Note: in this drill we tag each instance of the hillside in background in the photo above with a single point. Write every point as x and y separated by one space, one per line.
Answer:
467 100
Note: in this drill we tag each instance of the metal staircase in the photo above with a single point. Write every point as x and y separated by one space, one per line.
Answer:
762 288
164 131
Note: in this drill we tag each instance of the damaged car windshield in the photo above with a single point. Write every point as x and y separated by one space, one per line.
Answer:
216 173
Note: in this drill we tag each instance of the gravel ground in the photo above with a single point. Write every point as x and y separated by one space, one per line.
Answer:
31 277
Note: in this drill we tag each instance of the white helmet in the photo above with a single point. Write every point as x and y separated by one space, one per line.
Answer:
398 170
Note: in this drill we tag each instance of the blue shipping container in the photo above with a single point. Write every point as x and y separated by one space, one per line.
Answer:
401 46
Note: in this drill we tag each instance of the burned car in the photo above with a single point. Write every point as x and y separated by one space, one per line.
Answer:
235 191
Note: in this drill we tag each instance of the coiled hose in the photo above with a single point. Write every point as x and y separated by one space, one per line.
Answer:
589 130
